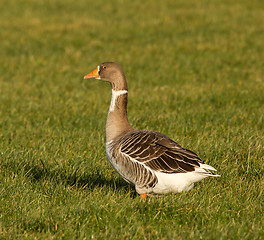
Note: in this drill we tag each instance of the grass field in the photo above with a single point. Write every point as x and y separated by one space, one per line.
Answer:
195 73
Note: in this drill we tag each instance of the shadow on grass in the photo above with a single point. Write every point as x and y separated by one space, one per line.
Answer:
89 180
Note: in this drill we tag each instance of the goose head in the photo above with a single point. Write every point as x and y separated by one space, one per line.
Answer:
110 72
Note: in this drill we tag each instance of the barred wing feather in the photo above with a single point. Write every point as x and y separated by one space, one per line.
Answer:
158 152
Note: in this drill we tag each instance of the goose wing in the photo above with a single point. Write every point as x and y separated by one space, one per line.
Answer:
158 152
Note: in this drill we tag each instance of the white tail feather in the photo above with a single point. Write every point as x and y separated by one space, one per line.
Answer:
208 167
205 170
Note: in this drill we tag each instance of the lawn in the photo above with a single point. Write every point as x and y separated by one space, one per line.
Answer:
195 73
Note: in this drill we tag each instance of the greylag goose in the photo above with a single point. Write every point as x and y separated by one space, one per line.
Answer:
149 160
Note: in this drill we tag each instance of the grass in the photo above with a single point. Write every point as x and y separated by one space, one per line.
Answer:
195 73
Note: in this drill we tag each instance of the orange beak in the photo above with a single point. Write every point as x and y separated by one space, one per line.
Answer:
93 74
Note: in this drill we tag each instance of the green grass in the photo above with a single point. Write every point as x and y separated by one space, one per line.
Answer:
195 73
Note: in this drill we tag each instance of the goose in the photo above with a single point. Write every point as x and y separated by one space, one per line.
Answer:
149 160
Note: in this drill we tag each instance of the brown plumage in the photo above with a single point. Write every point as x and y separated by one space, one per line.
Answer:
150 160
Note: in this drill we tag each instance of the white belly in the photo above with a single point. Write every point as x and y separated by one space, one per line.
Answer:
177 182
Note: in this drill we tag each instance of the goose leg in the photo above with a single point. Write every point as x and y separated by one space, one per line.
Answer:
143 196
